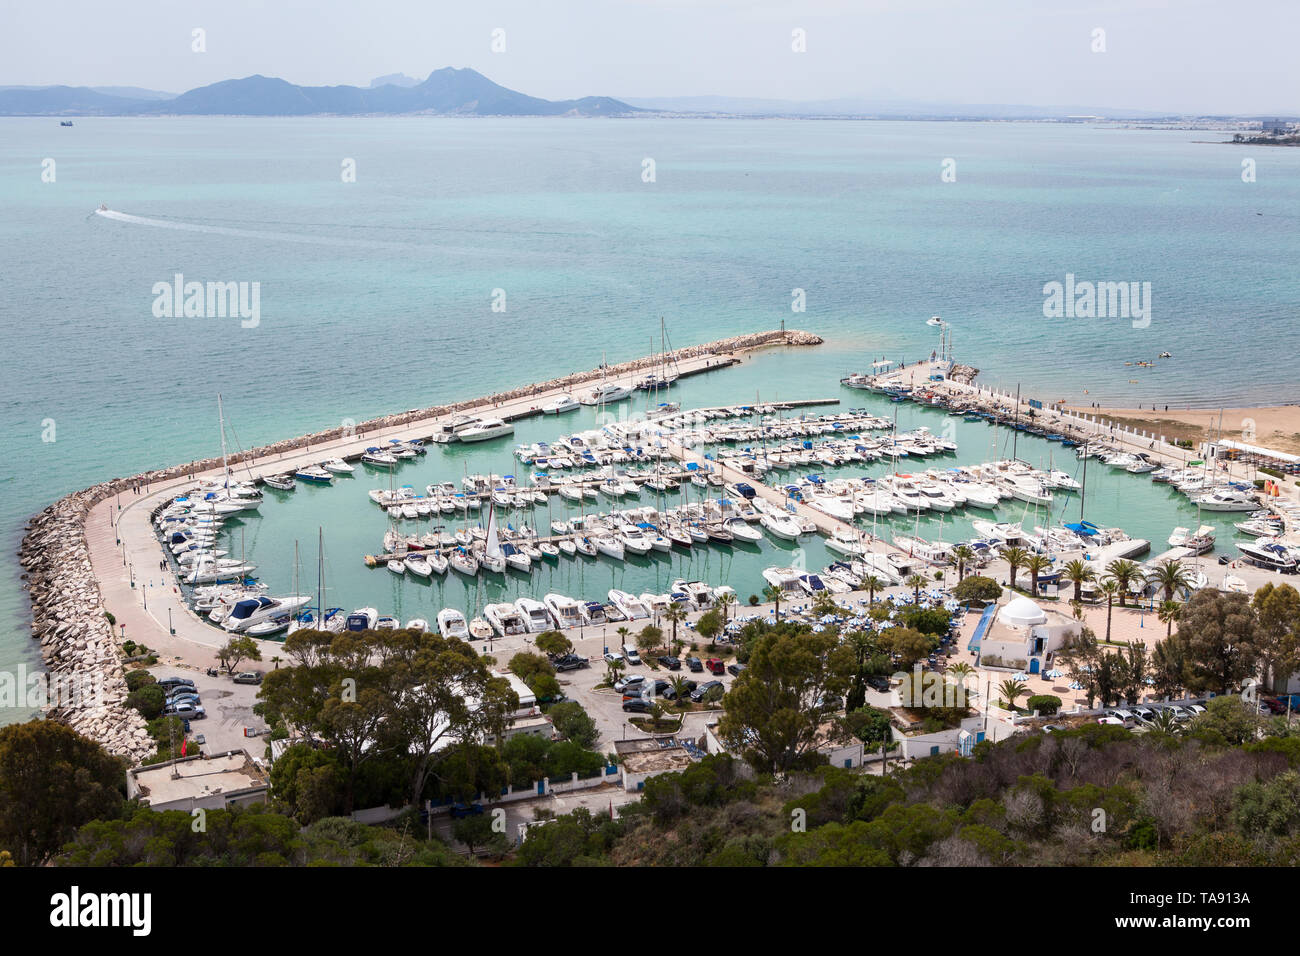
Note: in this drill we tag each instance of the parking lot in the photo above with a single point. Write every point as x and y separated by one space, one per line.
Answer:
229 709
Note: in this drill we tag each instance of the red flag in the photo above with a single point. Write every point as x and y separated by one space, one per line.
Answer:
183 743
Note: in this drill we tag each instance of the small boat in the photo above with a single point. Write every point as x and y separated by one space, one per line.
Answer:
567 547
780 526
69 123
378 458
934 320
485 430
397 566
451 623
338 466
505 619
279 482
549 551
316 474
480 629
438 563
417 624
462 562
584 546
362 619
632 607
535 615
564 403
564 610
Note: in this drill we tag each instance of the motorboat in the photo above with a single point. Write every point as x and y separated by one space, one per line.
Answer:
610 546
378 458
934 320
535 615
593 612
1229 500
362 619
1268 554
780 526
480 629
486 429
632 607
846 541
605 393
564 403
505 619
451 623
315 474
1199 542
564 610
634 540
418 564
337 466
279 482
212 570
741 531
258 610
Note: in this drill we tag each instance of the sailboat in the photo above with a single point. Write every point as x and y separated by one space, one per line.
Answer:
664 379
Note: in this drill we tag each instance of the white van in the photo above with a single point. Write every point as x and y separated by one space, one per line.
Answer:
629 652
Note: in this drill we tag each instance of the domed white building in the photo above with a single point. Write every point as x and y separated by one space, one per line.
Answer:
1021 635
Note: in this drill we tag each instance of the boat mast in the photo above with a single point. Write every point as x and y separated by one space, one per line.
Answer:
221 424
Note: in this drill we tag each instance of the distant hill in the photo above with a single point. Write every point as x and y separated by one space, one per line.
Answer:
448 91
899 109
394 79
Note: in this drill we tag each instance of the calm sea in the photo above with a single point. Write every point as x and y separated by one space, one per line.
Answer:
376 295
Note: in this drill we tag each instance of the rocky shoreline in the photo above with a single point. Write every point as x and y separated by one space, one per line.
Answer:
68 614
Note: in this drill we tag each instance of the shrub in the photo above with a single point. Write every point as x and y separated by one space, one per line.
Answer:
1044 703
977 588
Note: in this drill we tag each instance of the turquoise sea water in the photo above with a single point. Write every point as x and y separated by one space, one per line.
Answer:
376 295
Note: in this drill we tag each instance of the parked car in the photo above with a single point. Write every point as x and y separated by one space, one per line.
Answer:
570 662
734 669
715 666
248 677
878 682
669 694
191 699
1111 720
623 683
637 706
693 664
169 682
1053 728
614 657
630 653
186 711
1144 714
200 740
1177 711
461 810
672 663
1195 709
1273 706
1125 717
700 692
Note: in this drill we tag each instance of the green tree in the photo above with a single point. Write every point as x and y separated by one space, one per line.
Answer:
236 650
573 723
1124 572
674 615
1011 690
977 588
52 781
1221 631
1036 564
871 584
772 593
1168 613
649 637
709 625
1015 557
1109 587
794 683
916 582
1169 576
1077 573
1278 609
963 554
553 642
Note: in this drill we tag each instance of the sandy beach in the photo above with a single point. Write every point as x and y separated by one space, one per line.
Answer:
1275 426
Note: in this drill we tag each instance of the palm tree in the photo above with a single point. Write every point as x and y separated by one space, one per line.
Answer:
681 687
1164 724
1015 557
773 594
916 582
724 601
1169 576
623 634
871 584
1109 587
1010 689
1168 613
1124 572
675 614
1077 572
962 554
1036 564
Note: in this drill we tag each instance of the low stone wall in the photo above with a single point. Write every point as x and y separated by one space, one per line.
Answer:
77 642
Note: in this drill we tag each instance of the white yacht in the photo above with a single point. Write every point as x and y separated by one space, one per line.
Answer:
1226 501
486 429
564 403
259 610
362 619
451 623
779 526
505 619
535 615
564 609
632 607
338 466
605 393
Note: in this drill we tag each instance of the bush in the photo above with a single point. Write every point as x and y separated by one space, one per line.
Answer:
1044 703
137 679
976 589
148 700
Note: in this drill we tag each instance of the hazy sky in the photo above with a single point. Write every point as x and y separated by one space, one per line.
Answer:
1216 56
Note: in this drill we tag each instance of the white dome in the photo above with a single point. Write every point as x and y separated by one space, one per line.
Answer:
1022 612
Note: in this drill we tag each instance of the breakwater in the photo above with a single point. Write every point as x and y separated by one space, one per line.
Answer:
68 611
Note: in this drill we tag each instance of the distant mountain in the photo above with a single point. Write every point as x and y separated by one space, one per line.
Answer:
394 79
128 92
448 91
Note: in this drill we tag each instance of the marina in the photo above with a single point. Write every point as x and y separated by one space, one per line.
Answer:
669 503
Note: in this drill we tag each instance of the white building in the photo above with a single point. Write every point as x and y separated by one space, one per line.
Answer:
1021 635
207 781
